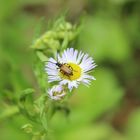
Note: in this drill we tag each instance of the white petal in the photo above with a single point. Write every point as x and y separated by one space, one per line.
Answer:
75 56
52 60
64 82
79 57
72 84
86 81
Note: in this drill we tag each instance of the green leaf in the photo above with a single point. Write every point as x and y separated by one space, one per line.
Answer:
26 104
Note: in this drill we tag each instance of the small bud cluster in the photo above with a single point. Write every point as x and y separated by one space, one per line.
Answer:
60 35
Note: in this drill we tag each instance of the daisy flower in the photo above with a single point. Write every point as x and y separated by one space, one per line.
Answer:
71 68
56 92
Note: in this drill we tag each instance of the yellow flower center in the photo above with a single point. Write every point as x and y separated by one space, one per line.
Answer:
70 71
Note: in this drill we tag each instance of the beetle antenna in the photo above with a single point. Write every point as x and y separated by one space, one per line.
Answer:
50 62
56 55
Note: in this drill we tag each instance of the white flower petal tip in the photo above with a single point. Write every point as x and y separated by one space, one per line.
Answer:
71 68
56 92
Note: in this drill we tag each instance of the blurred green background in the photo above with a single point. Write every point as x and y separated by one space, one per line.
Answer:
110 108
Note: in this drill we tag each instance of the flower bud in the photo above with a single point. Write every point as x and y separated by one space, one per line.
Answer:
57 92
